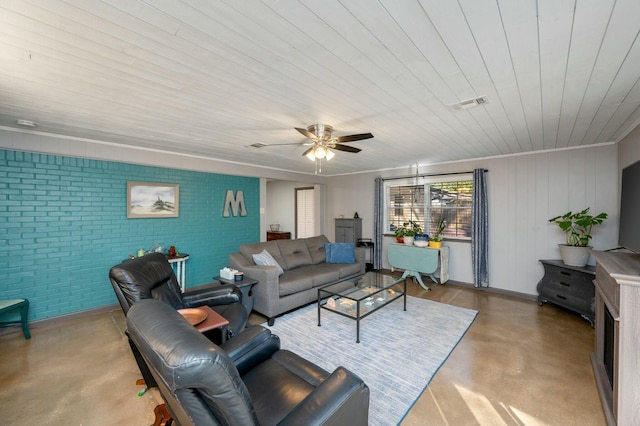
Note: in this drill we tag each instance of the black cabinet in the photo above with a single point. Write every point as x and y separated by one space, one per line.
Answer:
568 286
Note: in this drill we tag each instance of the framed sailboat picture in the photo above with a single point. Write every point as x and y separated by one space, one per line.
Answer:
152 200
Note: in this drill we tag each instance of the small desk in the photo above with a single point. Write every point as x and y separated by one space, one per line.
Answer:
177 263
417 260
245 287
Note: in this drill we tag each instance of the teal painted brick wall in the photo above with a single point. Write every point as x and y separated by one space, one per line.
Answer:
63 224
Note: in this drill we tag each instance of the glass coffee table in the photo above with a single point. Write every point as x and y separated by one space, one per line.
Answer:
359 297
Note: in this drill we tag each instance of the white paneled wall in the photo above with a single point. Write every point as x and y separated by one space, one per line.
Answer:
524 192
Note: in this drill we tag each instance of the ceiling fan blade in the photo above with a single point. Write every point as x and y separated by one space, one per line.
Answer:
308 151
261 145
346 148
352 138
306 133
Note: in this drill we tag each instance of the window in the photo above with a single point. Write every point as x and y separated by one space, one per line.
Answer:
427 199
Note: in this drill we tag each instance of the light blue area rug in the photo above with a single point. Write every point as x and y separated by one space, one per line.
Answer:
398 354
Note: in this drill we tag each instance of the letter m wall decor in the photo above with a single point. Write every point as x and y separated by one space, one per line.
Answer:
235 202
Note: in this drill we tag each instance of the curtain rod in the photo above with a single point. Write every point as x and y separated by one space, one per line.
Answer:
430 175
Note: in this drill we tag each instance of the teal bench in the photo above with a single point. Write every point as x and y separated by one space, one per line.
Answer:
13 305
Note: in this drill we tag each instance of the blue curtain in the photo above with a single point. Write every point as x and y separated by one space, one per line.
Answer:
480 229
378 225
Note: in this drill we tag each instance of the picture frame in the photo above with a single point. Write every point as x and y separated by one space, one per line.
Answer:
152 200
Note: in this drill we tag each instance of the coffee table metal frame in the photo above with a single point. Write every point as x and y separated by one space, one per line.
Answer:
359 297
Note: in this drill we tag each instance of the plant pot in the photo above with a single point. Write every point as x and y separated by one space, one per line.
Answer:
573 255
435 244
408 241
400 240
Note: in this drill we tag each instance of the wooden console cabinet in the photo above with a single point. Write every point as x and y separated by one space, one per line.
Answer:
278 235
568 286
616 360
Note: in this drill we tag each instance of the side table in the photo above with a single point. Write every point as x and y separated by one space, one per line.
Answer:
214 325
245 287
420 260
568 286
178 265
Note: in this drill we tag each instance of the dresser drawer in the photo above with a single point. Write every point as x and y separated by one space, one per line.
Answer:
561 295
576 287
569 287
556 273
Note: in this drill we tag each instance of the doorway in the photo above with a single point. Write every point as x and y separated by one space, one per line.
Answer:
305 212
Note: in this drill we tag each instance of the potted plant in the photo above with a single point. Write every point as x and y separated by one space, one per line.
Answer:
436 239
399 234
577 228
407 231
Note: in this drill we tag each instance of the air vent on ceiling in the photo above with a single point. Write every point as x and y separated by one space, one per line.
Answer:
471 103
26 123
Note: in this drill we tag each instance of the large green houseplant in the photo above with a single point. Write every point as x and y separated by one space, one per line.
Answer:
577 228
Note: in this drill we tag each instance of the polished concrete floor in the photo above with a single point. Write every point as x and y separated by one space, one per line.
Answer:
518 364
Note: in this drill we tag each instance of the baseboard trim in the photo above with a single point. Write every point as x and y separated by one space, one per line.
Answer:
493 290
60 318
499 291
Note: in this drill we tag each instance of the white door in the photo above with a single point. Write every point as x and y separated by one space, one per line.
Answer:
305 212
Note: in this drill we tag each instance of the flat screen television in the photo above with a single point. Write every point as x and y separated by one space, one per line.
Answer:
629 234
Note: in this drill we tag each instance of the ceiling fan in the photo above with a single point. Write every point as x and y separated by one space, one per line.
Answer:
323 143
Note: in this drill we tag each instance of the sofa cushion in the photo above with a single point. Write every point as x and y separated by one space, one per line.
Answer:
248 250
295 253
264 258
340 252
323 273
295 281
348 269
316 248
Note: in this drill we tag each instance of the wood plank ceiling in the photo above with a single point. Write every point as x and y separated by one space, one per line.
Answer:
210 78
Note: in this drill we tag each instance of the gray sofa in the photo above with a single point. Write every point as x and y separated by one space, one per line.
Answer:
305 270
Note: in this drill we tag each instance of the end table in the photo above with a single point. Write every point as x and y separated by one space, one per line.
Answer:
245 287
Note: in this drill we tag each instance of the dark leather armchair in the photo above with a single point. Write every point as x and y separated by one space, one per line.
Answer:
249 381
151 277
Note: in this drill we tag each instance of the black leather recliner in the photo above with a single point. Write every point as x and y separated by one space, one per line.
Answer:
151 277
251 382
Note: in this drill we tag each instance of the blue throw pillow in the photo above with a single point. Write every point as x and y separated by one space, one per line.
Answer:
340 252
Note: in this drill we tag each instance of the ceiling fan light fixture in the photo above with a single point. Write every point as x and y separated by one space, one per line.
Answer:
330 154
311 156
320 152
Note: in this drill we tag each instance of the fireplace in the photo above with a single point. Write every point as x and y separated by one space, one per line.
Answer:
609 345
615 359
